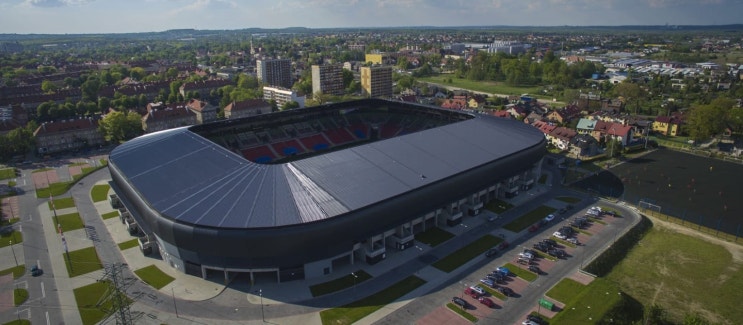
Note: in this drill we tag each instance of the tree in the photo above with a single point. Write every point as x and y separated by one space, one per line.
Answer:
290 105
705 121
90 88
631 93
347 78
48 86
120 126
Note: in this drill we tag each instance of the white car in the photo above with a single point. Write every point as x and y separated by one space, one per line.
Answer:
549 218
527 255
478 289
559 235
573 240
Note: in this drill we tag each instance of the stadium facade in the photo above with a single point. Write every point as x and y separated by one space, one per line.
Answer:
298 193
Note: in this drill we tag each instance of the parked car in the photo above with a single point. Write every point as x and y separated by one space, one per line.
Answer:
534 227
506 291
540 246
535 319
549 217
503 245
487 282
491 252
550 242
528 256
559 253
573 240
524 261
472 293
503 270
486 301
460 302
559 235
36 271
535 269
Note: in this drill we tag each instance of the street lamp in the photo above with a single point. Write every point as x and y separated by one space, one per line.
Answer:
12 249
263 316
354 283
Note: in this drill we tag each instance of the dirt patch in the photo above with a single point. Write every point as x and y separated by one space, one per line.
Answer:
582 277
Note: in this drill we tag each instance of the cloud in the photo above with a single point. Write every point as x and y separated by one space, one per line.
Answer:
55 3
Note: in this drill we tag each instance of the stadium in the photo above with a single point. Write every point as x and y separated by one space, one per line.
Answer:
295 194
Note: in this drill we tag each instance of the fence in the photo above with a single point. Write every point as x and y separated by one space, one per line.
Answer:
715 231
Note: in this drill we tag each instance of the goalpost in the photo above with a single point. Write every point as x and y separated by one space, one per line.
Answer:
644 205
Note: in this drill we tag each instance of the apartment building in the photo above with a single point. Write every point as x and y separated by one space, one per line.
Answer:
327 79
377 81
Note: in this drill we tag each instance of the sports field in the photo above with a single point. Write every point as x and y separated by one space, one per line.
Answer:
696 189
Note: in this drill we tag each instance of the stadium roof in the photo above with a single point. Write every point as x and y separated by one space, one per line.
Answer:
193 180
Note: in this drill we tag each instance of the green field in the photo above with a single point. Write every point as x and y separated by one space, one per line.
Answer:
344 282
463 255
82 261
529 218
99 192
15 236
461 312
350 313
91 302
56 189
667 267
70 222
498 206
109 215
129 244
590 305
20 296
7 173
61 203
489 87
17 271
565 290
154 276
433 236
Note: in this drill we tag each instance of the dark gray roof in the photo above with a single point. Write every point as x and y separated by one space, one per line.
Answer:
193 180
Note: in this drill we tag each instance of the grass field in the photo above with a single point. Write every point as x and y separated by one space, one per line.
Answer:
498 206
433 236
14 236
591 304
128 244
17 271
454 260
461 312
90 303
565 289
56 189
7 173
350 313
521 273
99 192
62 203
20 296
529 218
18 322
154 276
70 221
82 261
490 87
669 267
109 215
339 284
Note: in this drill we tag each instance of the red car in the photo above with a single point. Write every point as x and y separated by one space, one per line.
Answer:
472 293
486 301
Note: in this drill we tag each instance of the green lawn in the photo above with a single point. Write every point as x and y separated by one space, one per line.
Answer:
17 271
564 290
56 189
461 312
568 199
62 203
83 261
493 292
433 236
18 322
154 276
671 267
128 244
20 296
521 273
109 215
99 192
7 173
498 206
590 305
92 303
71 221
490 87
529 218
466 253
14 236
350 313
344 282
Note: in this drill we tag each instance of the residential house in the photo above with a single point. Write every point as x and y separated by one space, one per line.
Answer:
564 115
545 127
518 111
668 125
560 137
458 104
501 113
616 131
67 135
612 105
163 117
282 96
204 111
584 146
586 126
476 102
245 108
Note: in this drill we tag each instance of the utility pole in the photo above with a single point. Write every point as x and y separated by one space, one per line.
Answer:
116 294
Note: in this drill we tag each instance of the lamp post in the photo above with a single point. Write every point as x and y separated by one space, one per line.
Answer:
12 249
263 315
354 284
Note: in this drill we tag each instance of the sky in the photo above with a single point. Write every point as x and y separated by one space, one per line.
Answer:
126 16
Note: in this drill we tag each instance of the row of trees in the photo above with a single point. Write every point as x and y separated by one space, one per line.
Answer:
707 120
17 142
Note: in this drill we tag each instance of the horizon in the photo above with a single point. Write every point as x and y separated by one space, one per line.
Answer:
60 17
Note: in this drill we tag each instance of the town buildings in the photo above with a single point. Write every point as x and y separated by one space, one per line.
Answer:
274 72
376 81
327 79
